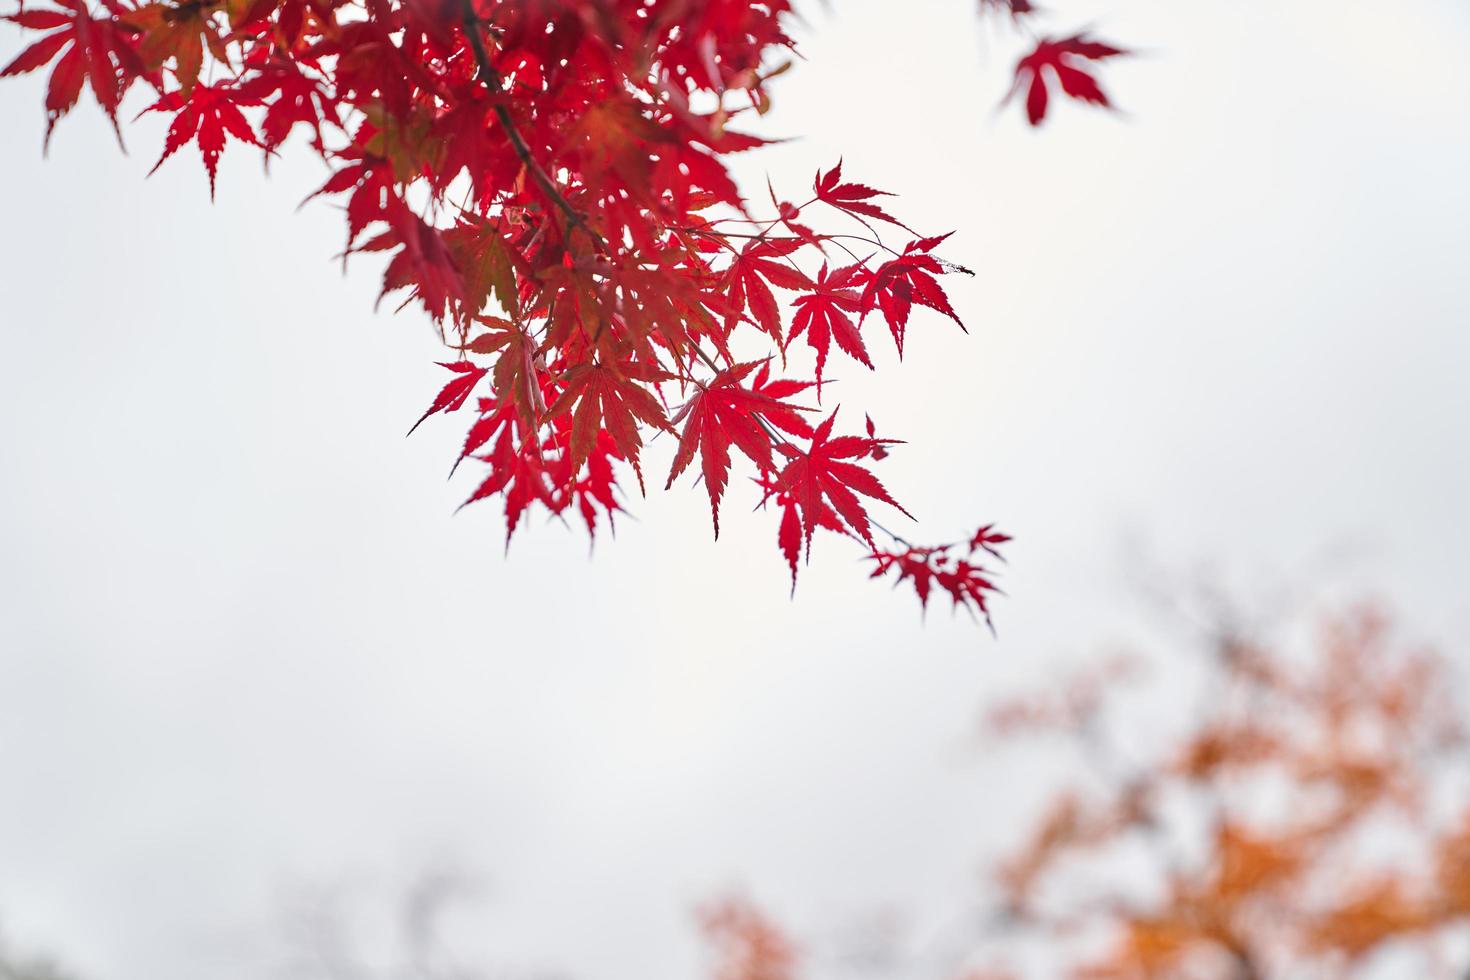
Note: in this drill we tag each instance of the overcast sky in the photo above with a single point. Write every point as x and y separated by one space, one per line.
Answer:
246 647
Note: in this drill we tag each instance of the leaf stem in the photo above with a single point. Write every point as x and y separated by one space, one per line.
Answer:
706 230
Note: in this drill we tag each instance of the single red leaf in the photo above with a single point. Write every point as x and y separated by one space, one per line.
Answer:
612 397
988 539
822 479
96 49
211 112
454 394
725 413
897 284
1061 58
823 316
853 199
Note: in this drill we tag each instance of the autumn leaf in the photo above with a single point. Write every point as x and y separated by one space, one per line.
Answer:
749 274
1061 59
596 486
824 480
295 97
96 50
177 33
454 394
969 586
775 390
494 415
853 199
748 945
988 539
424 264
898 283
823 316
209 113
518 472
725 413
612 397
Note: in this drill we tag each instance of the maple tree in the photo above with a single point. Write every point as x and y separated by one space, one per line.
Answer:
1309 818
547 180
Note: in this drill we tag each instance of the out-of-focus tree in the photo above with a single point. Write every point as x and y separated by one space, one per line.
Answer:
1306 814
328 936
747 944
1309 818
1283 807
16 965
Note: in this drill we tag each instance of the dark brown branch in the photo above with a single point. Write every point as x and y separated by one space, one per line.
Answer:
496 85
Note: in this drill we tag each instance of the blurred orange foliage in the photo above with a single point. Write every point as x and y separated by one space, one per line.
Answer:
748 946
1311 814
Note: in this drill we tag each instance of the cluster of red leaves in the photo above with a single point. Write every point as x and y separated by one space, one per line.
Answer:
967 583
547 179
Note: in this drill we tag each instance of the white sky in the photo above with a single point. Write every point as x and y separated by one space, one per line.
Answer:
244 646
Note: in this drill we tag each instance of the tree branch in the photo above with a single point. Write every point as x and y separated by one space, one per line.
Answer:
496 86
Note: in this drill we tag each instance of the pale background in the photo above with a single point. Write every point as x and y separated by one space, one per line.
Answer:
246 652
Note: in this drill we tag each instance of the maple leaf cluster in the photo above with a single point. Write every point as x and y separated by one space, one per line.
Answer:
1310 814
548 181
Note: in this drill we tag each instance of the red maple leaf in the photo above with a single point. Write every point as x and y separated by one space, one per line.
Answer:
97 50
299 98
423 264
784 417
597 484
210 112
612 397
454 394
517 470
177 33
722 414
896 285
788 532
371 182
987 538
823 316
747 277
1059 58
494 415
290 19
851 199
823 481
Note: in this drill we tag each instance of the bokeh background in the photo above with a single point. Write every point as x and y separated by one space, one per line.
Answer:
250 663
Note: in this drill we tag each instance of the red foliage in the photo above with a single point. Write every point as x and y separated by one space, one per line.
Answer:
1061 58
547 179
967 584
